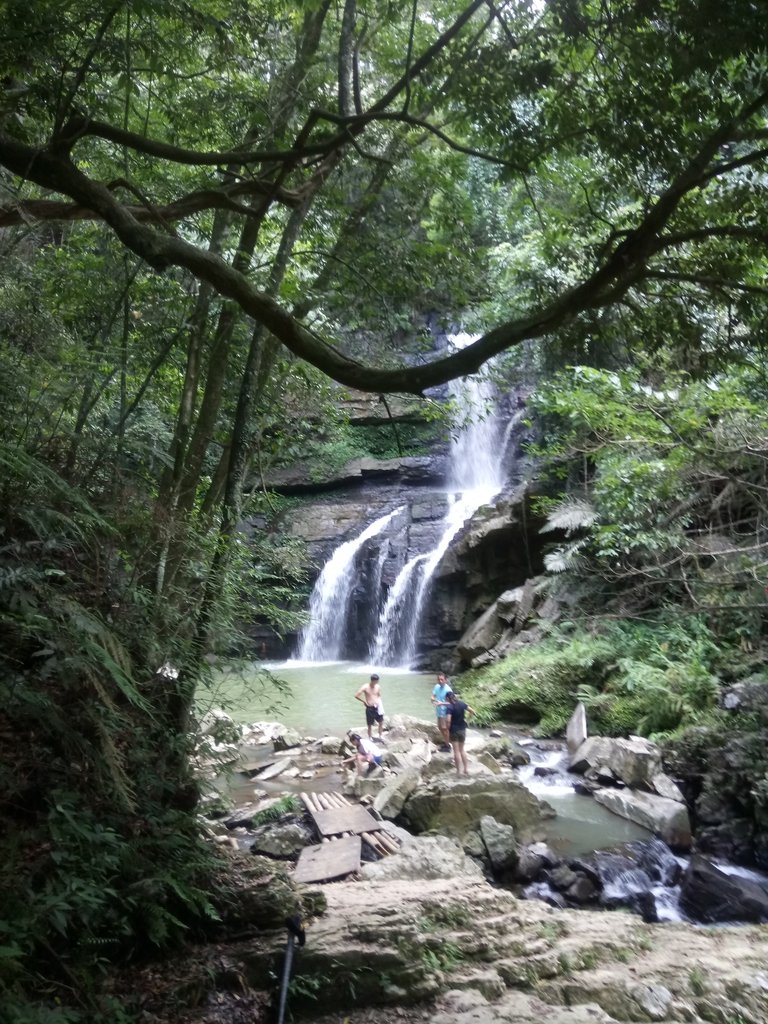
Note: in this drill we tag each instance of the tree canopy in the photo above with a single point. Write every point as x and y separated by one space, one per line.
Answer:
151 116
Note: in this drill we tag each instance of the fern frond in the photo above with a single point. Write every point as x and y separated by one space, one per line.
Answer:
101 644
115 766
570 515
565 558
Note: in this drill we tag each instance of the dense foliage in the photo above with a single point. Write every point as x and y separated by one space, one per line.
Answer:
664 562
211 211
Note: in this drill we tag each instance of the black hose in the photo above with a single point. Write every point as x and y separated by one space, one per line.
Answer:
296 934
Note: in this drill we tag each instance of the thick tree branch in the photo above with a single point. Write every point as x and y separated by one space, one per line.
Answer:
705 281
621 269
24 211
79 127
755 233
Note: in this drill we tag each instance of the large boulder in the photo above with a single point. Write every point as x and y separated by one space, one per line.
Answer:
286 739
666 786
422 857
500 845
707 894
406 727
481 636
220 727
454 806
576 730
414 753
634 761
396 790
259 733
508 603
667 819
748 696
281 840
534 858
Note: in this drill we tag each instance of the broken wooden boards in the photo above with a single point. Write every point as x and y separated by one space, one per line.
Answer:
343 827
329 860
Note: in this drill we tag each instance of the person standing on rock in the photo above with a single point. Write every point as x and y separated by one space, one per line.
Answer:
370 695
440 693
457 710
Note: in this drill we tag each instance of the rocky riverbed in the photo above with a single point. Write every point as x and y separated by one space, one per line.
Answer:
452 951
439 931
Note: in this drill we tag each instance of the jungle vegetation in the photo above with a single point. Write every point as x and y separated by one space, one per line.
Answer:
214 214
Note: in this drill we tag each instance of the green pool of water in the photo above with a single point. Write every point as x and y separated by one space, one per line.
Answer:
315 698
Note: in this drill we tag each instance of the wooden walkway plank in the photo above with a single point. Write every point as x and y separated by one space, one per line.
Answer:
337 821
344 819
329 860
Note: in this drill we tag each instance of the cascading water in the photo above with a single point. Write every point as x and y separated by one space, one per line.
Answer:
476 476
322 639
395 619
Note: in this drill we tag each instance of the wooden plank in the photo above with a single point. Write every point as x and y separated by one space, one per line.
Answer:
329 860
344 819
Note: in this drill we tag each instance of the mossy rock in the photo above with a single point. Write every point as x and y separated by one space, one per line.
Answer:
259 891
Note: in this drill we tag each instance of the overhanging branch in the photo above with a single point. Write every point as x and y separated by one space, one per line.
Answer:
623 267
24 211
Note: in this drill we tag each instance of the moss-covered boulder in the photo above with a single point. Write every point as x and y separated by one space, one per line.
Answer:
260 892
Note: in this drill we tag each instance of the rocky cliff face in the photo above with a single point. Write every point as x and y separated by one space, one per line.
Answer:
498 548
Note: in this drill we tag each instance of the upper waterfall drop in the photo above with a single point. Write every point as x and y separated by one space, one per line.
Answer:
322 639
476 464
476 475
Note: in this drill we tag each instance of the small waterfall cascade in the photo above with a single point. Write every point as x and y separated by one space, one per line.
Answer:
475 477
620 877
322 639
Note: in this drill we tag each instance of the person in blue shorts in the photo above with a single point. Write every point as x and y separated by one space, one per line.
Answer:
440 692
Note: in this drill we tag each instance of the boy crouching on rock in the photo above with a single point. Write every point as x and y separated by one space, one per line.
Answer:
367 755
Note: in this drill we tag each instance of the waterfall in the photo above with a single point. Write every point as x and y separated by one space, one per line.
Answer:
393 630
322 639
475 477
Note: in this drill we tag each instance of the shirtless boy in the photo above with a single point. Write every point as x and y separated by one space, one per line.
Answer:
370 695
